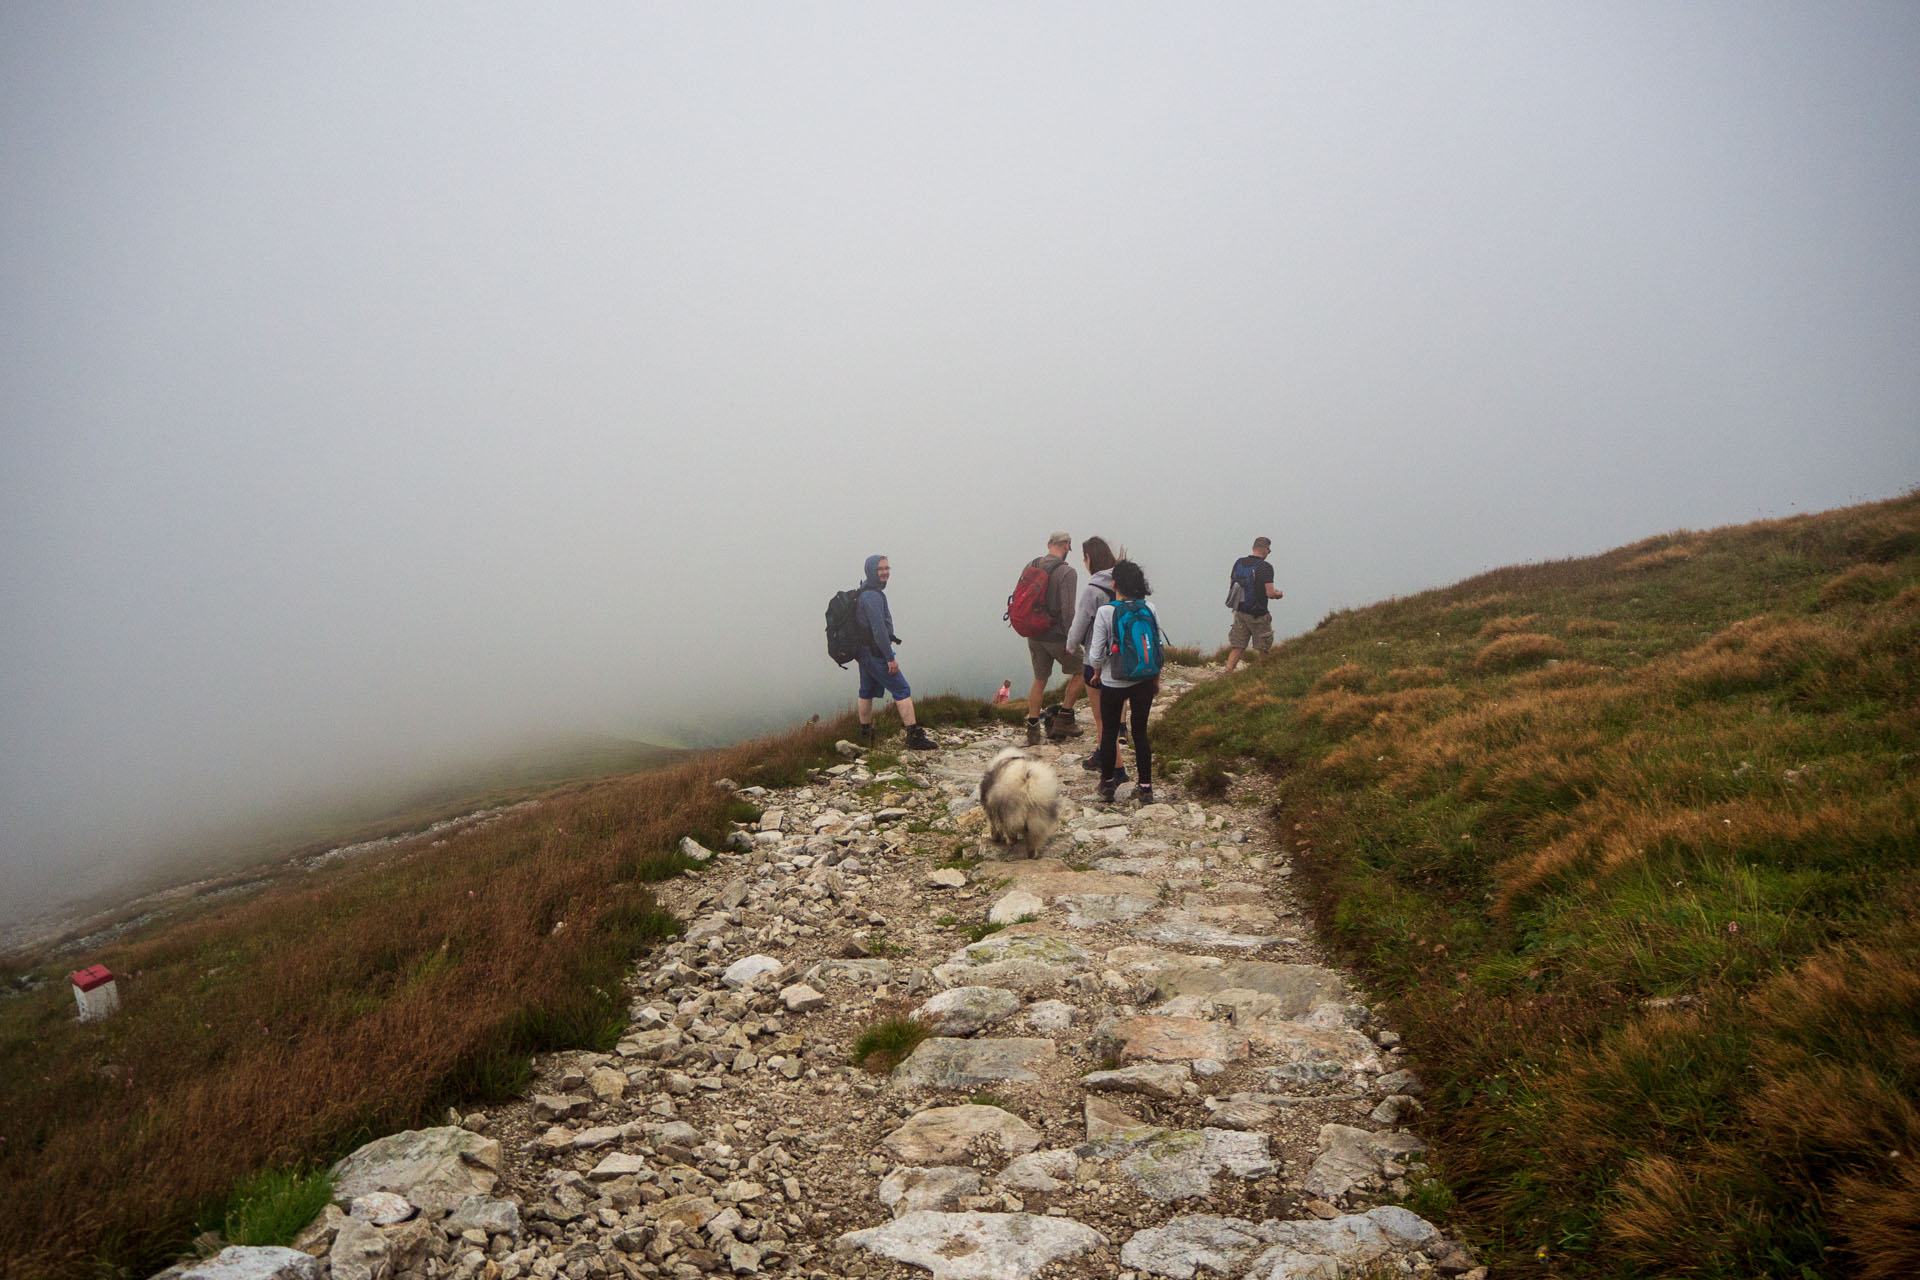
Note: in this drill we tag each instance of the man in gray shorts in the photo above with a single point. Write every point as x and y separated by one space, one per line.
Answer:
1249 589
1050 646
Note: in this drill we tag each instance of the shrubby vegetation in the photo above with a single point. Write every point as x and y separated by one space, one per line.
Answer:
1632 846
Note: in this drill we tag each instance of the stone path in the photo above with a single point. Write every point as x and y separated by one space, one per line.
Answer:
1138 1066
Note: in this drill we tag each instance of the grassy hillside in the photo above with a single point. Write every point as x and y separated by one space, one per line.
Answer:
1632 843
280 1032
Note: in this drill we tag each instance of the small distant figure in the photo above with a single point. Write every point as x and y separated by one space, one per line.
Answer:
1005 693
1099 559
1126 650
1248 589
1040 609
814 718
879 669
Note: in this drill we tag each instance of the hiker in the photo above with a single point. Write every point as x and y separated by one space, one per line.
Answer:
1125 649
1099 559
1248 591
879 671
1040 609
1004 693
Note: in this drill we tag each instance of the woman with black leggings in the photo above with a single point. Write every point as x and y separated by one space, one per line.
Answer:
1130 593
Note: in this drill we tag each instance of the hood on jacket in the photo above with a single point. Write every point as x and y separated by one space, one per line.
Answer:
873 574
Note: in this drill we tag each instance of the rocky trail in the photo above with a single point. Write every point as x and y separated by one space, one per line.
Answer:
1137 1067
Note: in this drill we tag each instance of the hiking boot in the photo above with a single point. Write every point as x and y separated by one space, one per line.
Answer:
917 739
865 736
1144 793
1106 790
1092 763
1033 731
1060 725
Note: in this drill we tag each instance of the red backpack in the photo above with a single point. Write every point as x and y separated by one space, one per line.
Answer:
1027 611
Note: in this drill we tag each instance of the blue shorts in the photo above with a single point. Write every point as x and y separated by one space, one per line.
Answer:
874 679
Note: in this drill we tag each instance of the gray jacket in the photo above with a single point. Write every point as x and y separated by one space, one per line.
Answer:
1091 598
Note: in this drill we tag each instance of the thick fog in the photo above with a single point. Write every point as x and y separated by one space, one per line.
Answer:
386 383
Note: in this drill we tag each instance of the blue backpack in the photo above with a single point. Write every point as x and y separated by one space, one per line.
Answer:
1134 653
1242 588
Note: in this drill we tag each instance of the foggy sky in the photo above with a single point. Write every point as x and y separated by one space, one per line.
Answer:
385 382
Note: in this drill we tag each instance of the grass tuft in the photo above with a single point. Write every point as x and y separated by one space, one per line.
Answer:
886 1042
270 1208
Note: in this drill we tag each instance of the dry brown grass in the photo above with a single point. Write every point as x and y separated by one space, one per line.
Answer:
284 1029
1348 675
1563 675
1592 627
1519 649
1413 677
1506 625
1859 585
1657 559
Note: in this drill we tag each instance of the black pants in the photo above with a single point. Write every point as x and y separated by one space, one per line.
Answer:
1138 698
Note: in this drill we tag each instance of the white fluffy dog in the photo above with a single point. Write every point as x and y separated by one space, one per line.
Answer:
1020 794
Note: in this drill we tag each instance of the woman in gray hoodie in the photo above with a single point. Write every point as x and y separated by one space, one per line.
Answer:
1099 559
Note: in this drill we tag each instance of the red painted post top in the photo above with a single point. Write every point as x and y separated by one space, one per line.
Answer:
94 975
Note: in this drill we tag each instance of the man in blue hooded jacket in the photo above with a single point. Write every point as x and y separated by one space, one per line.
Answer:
879 670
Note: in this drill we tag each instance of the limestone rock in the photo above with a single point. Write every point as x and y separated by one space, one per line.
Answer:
381 1208
1155 1038
910 1189
1180 1164
743 972
947 878
1040 1171
801 998
1299 988
1188 1246
434 1168
977 1246
1155 1080
1013 906
946 1135
1352 1157
1047 1017
250 1262
359 1252
961 1011
479 1213
1342 1246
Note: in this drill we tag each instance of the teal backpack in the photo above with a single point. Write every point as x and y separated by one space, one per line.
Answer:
1135 650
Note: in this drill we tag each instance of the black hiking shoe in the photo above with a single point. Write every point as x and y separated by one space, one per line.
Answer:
1107 786
1144 794
917 739
865 736
1092 763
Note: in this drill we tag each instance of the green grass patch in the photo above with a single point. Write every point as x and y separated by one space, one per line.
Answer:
273 1206
886 1042
1634 841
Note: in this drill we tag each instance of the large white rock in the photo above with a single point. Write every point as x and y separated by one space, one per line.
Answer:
434 1168
1307 1249
359 1252
944 1135
942 1063
977 1246
743 972
962 1011
1351 1157
1014 905
249 1262
910 1189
